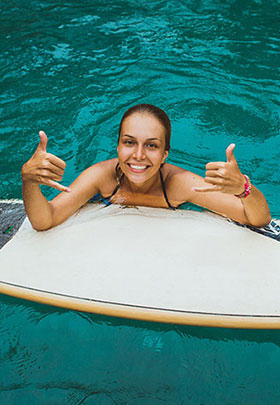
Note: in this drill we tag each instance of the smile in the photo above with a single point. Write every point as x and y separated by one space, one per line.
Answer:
137 168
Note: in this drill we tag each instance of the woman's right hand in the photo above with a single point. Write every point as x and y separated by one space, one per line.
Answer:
43 167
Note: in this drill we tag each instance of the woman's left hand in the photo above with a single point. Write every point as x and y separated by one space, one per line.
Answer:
224 176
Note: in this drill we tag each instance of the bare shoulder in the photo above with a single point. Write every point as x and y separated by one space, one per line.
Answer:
105 165
96 178
91 181
179 182
101 177
102 169
177 175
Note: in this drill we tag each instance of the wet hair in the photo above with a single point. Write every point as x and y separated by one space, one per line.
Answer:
156 112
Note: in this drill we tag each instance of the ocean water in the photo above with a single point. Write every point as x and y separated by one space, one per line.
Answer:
72 69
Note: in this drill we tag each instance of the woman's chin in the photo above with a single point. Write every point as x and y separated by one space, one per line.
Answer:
137 178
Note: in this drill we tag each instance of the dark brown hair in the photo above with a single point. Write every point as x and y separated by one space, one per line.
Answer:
161 116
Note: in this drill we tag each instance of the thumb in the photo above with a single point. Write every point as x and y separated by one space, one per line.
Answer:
43 142
229 153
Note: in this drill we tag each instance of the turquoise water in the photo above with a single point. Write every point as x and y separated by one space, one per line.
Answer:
72 69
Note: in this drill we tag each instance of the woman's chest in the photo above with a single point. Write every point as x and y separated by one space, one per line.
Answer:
148 200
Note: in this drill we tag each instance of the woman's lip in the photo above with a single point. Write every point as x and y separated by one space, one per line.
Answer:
137 168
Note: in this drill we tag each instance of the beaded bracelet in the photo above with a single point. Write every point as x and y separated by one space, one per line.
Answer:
247 190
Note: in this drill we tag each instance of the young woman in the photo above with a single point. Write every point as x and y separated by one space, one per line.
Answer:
140 176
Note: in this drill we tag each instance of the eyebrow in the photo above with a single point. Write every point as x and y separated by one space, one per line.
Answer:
149 139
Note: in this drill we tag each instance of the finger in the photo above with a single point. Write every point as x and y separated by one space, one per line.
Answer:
215 165
56 171
215 173
214 180
45 176
207 189
58 186
43 142
56 161
47 166
229 153
48 174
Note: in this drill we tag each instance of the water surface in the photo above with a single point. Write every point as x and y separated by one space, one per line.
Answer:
72 69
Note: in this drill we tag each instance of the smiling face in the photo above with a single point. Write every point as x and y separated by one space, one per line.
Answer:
141 148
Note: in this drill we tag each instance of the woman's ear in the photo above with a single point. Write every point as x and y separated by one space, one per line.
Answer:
164 156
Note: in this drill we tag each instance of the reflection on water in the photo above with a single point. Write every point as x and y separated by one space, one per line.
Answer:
72 69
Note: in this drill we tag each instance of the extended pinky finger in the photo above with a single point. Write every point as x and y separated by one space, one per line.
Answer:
58 186
207 189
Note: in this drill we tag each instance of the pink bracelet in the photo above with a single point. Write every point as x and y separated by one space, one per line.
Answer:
247 190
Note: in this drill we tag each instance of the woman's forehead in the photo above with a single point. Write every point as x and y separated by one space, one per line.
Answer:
142 125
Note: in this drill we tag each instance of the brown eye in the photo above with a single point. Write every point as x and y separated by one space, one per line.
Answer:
128 142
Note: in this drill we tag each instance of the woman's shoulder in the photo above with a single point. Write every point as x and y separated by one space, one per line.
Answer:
175 173
104 164
178 182
103 168
103 175
98 174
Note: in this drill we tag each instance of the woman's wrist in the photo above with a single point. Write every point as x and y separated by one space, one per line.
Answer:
24 172
247 188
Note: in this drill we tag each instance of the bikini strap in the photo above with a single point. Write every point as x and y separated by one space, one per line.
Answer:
164 191
116 188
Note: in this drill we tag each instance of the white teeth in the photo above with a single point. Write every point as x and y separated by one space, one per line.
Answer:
138 167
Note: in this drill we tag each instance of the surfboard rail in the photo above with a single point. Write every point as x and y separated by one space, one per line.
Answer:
142 313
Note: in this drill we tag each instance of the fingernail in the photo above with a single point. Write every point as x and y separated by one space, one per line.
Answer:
194 189
68 190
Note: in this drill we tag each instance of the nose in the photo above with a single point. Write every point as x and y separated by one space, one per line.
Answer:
139 152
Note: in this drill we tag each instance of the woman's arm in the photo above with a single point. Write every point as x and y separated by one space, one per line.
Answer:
47 169
217 192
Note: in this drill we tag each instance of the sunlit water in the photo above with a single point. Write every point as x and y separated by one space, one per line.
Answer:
72 69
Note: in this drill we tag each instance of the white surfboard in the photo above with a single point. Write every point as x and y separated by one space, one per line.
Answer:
151 264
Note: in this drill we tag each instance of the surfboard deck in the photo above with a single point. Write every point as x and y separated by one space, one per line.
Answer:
151 264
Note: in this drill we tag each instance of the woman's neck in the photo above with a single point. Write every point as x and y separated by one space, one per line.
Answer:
142 188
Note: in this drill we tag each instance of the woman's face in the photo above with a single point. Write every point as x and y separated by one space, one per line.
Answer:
141 148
